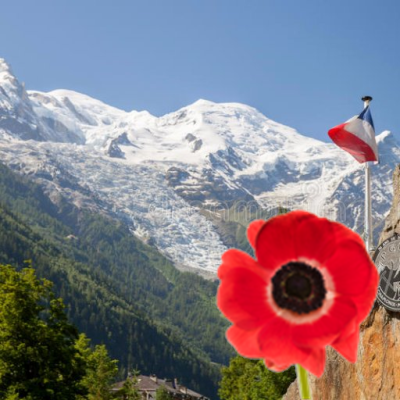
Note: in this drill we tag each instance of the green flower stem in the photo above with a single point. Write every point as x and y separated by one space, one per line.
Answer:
302 379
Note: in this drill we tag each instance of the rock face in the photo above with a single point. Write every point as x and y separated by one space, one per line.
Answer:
375 375
392 223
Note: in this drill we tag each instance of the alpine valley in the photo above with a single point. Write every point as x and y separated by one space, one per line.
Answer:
114 206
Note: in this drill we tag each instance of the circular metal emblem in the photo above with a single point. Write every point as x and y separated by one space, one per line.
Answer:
387 260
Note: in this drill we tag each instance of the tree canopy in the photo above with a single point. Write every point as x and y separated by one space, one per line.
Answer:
246 379
42 356
100 370
163 394
38 357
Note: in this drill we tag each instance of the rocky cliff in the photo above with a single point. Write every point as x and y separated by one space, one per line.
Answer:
392 223
376 374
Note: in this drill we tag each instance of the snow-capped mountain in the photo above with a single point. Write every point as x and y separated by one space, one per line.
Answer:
159 174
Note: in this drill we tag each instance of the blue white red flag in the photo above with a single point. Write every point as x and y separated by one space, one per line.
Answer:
357 137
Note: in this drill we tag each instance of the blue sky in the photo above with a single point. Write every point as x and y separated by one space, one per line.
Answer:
302 63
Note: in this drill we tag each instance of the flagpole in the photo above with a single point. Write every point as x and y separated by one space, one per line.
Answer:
368 215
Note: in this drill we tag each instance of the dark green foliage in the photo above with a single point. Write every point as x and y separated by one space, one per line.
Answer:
182 301
100 370
163 394
38 357
119 291
129 390
246 379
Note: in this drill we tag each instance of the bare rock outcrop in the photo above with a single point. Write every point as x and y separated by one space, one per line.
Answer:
392 223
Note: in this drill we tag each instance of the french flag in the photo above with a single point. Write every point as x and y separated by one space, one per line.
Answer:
357 137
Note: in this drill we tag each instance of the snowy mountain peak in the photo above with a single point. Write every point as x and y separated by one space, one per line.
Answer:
76 112
16 115
11 89
209 108
202 103
4 66
6 72
385 136
89 106
168 177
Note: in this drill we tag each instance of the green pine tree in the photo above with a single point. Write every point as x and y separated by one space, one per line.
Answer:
100 370
163 394
129 390
38 357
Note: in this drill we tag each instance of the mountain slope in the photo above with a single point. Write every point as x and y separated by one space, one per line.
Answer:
118 290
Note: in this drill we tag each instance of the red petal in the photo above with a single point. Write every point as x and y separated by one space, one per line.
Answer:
242 295
276 343
327 328
234 258
348 347
244 342
342 233
315 363
365 302
351 268
348 330
317 238
253 230
276 367
275 244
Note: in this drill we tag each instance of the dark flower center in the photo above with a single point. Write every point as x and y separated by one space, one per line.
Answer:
298 287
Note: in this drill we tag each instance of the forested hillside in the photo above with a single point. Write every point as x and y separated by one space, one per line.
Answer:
118 291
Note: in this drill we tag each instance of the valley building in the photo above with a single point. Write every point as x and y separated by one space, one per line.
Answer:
148 386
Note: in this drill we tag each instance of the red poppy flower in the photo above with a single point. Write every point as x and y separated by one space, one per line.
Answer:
312 285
